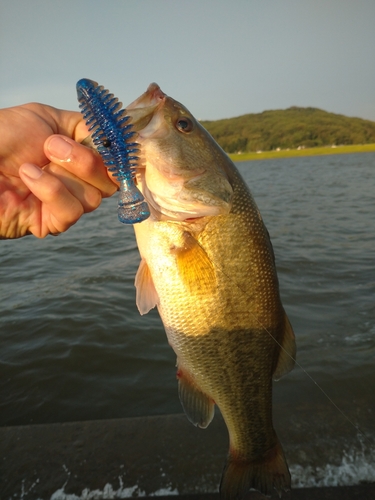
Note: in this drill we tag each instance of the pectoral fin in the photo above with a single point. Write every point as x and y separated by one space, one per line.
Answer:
194 266
287 356
198 407
146 297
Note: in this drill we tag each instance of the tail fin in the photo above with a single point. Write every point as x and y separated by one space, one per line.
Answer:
266 474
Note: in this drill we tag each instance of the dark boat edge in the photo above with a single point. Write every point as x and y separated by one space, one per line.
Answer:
163 456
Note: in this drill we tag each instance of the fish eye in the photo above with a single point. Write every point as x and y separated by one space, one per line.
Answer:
184 125
107 143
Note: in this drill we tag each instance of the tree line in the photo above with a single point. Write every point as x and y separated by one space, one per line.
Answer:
290 128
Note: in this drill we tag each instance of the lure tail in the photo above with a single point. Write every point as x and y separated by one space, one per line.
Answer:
112 136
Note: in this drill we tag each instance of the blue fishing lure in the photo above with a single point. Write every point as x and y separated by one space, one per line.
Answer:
112 136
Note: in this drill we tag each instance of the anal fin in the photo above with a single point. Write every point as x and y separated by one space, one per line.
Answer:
198 407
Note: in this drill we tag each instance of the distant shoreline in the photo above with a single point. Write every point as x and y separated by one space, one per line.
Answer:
287 153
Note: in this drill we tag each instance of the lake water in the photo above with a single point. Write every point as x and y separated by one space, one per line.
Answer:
74 347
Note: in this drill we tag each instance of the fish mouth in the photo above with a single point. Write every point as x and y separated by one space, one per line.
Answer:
142 110
153 95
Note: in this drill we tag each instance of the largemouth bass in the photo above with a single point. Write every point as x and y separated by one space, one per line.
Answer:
208 265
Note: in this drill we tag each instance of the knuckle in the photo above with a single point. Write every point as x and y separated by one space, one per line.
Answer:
93 170
53 190
89 160
93 199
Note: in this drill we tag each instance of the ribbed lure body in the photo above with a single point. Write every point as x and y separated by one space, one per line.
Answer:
112 136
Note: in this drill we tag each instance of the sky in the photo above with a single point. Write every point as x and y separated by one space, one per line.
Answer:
220 58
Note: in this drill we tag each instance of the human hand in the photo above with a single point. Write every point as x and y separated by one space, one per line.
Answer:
47 181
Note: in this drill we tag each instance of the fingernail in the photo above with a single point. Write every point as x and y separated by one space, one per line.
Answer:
59 148
31 170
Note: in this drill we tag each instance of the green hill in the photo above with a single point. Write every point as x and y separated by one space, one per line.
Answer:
290 128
